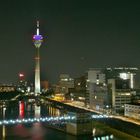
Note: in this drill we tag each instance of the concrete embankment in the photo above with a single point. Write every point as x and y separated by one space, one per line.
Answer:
105 129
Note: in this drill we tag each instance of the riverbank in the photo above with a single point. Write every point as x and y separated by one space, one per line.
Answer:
109 130
118 123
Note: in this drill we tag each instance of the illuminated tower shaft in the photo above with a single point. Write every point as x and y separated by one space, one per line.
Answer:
37 72
37 39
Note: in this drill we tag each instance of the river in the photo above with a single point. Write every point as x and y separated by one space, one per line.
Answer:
41 130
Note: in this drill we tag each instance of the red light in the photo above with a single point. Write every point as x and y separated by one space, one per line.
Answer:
21 109
21 75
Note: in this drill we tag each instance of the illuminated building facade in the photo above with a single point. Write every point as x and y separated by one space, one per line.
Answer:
79 92
96 75
132 111
37 39
111 87
7 88
121 86
124 73
65 83
97 89
22 84
120 95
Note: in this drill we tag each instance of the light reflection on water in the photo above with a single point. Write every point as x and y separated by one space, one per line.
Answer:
34 132
38 131
3 132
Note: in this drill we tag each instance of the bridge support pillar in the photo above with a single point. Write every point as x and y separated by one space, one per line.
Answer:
81 125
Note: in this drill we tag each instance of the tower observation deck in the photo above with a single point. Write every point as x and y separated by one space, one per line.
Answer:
37 40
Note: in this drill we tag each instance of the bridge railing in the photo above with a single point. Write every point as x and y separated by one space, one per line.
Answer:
46 119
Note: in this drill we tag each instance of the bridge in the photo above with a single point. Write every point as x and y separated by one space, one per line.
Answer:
46 119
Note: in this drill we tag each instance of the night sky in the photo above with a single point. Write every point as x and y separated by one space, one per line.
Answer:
78 34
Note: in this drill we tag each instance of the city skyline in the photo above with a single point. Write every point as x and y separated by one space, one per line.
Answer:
77 36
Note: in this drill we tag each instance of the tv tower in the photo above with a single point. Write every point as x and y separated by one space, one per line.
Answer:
37 40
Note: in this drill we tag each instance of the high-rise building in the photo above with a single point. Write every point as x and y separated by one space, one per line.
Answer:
97 89
120 94
111 87
65 83
96 76
124 73
79 91
37 40
122 84
22 83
